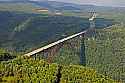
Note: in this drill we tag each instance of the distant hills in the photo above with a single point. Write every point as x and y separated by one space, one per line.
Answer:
21 31
54 5
61 6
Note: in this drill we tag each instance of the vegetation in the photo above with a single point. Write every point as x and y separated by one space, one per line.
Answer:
23 32
23 29
80 74
18 7
105 52
28 71
69 53
39 71
4 55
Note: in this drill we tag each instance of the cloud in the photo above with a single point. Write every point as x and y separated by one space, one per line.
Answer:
95 2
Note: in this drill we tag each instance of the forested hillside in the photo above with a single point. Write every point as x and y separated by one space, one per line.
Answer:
22 70
21 32
25 7
24 27
105 52
30 6
5 55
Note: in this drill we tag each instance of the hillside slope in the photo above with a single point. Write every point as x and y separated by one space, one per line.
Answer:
25 7
105 52
30 6
62 6
21 32
35 71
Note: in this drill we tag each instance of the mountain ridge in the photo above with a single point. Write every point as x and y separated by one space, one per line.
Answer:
56 5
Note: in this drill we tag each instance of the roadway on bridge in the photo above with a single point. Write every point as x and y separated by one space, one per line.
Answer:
53 44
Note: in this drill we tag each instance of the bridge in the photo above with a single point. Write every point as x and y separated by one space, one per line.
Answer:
74 42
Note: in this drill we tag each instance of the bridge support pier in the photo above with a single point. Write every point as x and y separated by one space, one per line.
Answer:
73 43
82 51
52 52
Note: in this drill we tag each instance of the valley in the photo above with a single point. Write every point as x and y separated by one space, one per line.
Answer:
94 57
22 32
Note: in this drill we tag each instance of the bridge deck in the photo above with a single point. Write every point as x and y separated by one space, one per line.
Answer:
53 44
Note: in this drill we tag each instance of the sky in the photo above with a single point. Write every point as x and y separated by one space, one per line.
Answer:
97 2
94 2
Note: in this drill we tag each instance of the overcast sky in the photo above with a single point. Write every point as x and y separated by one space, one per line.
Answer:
95 2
